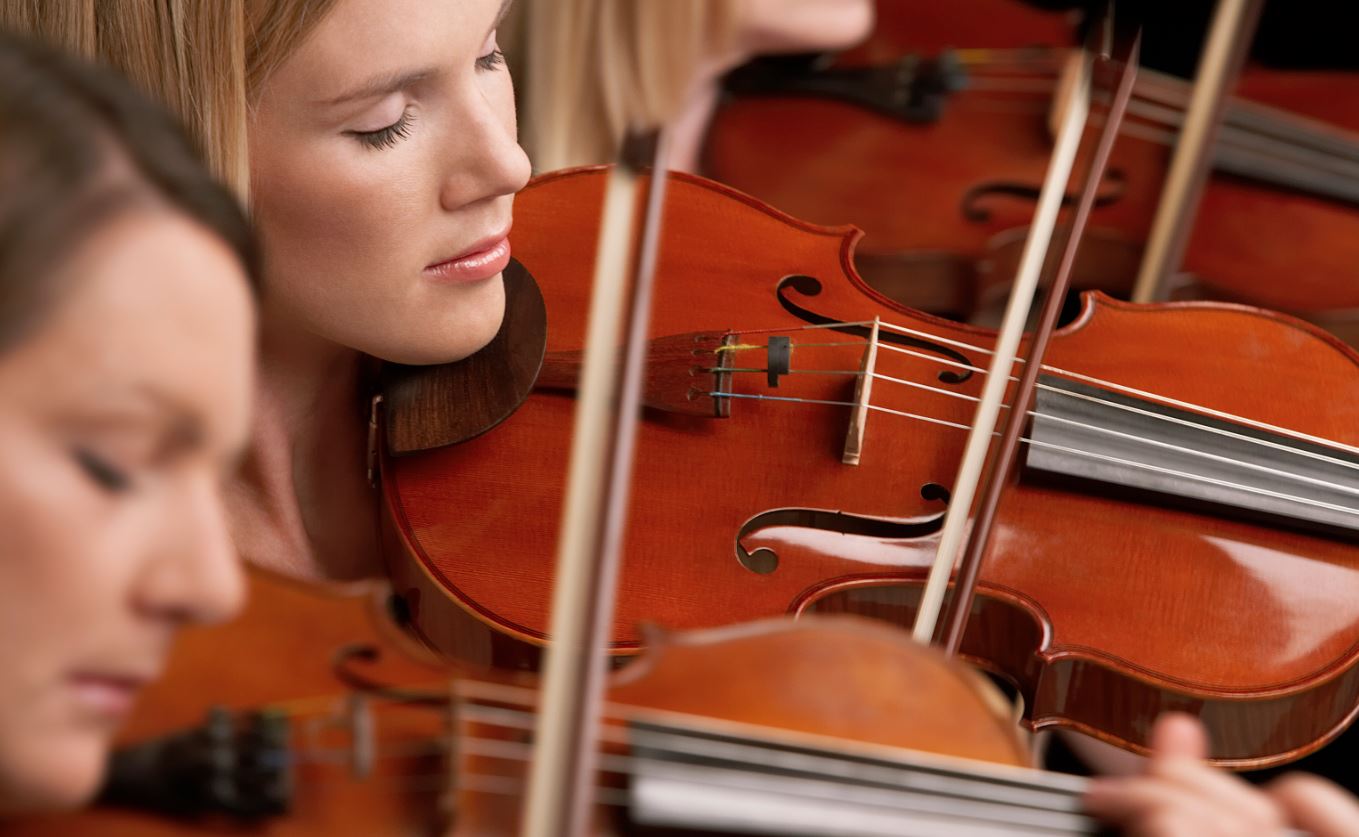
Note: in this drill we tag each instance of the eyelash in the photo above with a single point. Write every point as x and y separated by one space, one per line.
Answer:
491 60
401 128
105 475
386 137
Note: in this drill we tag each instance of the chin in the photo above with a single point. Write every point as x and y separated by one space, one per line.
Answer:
459 332
56 778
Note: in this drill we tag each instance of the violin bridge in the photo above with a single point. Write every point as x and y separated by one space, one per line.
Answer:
863 389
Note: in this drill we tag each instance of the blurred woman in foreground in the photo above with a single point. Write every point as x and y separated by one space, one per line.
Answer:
126 354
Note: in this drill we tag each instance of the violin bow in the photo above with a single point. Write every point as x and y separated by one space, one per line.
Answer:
981 474
562 776
1229 39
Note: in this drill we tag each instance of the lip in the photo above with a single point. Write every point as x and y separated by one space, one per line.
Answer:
485 259
110 695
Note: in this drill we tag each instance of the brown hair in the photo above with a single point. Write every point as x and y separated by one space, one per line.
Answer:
205 59
78 146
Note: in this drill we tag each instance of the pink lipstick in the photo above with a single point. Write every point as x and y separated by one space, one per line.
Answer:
485 260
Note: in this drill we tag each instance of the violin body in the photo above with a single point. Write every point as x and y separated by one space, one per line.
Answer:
1104 611
768 679
1247 237
977 165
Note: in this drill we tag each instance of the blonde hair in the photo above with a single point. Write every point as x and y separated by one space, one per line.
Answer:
587 70
205 59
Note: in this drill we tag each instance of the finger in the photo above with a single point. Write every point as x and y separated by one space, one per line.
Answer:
1151 806
1179 735
1221 790
1315 805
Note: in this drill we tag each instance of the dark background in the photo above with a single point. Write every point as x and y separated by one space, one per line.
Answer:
1293 34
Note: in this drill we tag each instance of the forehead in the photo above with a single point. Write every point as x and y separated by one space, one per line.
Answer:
152 301
357 37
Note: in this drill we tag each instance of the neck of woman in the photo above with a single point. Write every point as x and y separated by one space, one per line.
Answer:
301 504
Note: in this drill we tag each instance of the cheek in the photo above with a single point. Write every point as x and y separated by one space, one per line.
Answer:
347 234
319 211
52 592
64 574
49 770
501 95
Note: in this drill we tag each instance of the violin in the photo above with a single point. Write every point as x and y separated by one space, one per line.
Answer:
924 742
797 454
273 724
904 121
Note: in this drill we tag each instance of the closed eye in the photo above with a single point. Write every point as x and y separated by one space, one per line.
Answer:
491 61
102 472
388 136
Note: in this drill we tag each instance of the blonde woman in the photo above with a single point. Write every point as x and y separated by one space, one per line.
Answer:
587 68
375 142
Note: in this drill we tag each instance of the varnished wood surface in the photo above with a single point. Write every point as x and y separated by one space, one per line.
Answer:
827 682
905 184
1197 606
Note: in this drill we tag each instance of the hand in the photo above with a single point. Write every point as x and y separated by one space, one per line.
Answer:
1178 796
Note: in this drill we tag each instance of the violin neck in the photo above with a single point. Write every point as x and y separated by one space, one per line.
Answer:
707 780
1289 152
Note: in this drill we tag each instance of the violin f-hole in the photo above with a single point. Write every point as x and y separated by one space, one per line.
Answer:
1112 189
763 560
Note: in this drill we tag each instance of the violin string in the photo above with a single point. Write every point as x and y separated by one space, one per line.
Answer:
1113 460
960 810
1151 396
1250 127
481 782
1108 431
1009 791
938 790
960 820
1155 416
1243 118
511 707
521 720
999 791
1088 379
344 755
1058 792
1103 402
1301 159
622 765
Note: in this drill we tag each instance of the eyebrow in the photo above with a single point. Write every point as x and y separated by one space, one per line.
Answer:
383 85
186 431
186 428
389 83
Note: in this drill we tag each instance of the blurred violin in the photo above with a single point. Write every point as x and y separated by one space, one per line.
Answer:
905 122
379 747
272 724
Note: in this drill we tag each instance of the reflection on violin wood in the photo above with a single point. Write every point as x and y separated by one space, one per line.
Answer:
756 514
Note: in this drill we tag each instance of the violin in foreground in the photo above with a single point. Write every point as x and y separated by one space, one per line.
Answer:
919 745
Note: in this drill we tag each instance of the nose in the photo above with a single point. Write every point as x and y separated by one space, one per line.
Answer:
193 574
487 161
